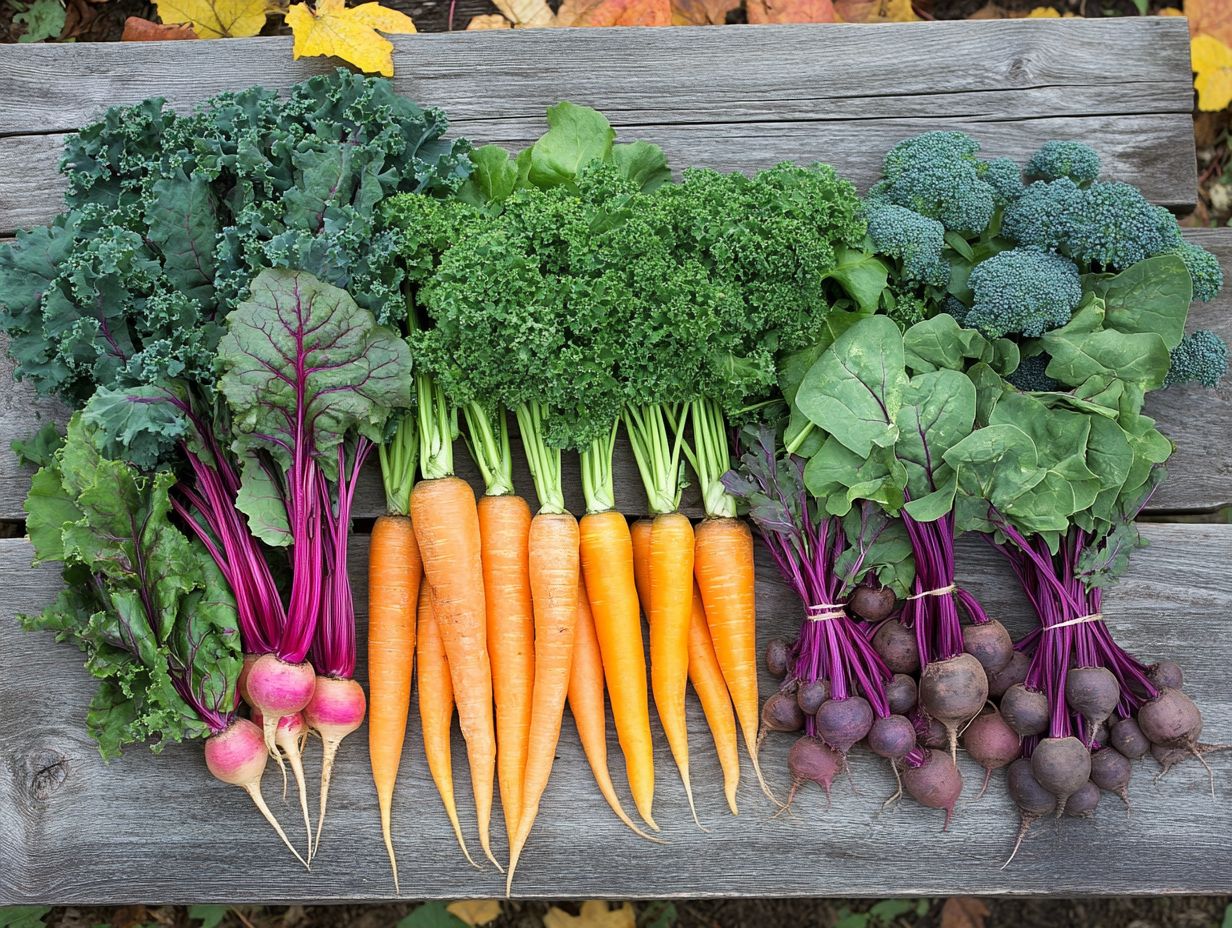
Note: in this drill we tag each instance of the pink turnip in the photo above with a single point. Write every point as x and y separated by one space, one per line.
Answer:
241 682
277 689
336 709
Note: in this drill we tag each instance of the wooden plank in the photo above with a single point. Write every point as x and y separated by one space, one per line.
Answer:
798 92
157 829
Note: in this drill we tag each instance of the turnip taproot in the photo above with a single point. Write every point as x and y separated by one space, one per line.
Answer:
933 780
336 709
276 689
290 737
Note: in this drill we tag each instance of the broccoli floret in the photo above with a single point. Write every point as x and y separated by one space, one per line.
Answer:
1111 225
914 240
903 157
1204 269
1030 375
1038 216
1023 292
956 308
1201 357
937 175
1005 178
907 309
1057 159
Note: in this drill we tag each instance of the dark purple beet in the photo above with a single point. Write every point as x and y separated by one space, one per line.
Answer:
843 722
991 742
901 694
892 737
1092 692
782 713
1061 765
872 604
935 735
990 644
1129 740
1166 674
1170 719
936 783
1082 801
810 696
778 656
897 647
1111 770
1025 710
810 761
952 691
1013 672
1032 799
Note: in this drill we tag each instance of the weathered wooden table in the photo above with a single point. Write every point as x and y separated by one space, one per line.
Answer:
159 829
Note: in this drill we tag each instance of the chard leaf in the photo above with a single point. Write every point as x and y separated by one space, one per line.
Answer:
261 499
39 449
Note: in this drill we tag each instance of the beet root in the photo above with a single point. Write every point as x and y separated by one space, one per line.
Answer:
935 783
901 694
810 696
953 691
897 646
811 761
1111 770
782 713
1166 674
933 735
1013 672
1083 801
1025 710
990 644
843 722
1032 799
1061 765
1170 720
872 604
778 657
1092 692
892 737
1129 740
992 743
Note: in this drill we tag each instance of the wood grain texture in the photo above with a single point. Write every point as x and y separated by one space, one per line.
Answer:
1199 420
736 98
157 829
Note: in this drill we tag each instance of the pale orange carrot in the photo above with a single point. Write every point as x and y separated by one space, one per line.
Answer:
447 529
394 572
436 710
554 572
609 565
504 527
707 678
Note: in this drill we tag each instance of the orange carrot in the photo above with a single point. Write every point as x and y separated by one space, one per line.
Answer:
447 529
394 572
609 565
436 709
504 526
671 608
707 678
554 572
587 705
723 564
640 534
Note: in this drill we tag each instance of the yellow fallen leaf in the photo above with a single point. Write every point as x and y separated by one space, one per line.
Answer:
488 21
527 14
215 19
1212 62
475 912
1169 11
875 11
1044 12
594 914
350 33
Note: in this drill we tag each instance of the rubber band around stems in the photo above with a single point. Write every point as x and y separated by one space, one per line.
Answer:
1092 617
940 591
824 612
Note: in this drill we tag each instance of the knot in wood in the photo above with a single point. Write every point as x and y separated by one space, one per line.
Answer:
47 771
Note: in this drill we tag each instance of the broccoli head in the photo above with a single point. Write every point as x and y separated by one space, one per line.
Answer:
906 309
916 241
937 175
1111 225
1201 357
1030 375
929 146
1204 269
1060 159
956 308
1038 216
1005 178
1023 292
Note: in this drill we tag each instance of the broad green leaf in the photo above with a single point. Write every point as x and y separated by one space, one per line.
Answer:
937 412
576 136
997 463
494 176
1150 296
862 275
261 500
49 508
183 225
941 343
643 163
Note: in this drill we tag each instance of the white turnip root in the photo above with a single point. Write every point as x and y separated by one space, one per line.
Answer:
237 756
1061 765
841 723
897 646
990 644
991 743
953 691
336 709
290 736
1025 710
933 780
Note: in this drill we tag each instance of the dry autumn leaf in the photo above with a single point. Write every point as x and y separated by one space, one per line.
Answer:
475 912
1212 63
594 914
614 13
349 33
1210 17
964 912
875 11
702 12
488 21
790 11
527 14
137 29
215 19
